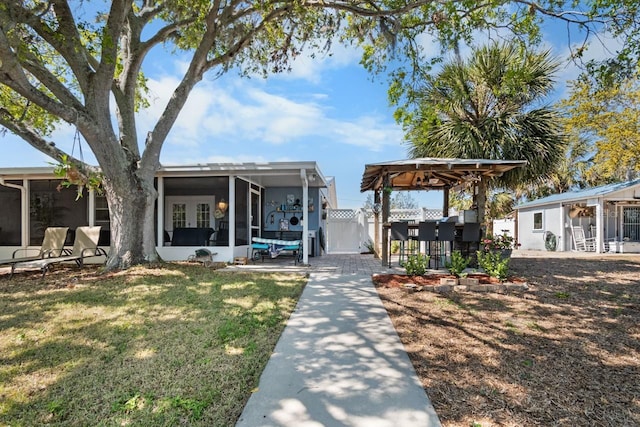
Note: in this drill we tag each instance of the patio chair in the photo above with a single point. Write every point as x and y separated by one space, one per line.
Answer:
52 246
85 245
582 243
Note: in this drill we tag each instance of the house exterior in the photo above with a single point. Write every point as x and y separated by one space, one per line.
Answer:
237 201
610 214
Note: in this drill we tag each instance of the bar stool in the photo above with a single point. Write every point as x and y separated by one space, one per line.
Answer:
446 233
471 234
427 234
399 231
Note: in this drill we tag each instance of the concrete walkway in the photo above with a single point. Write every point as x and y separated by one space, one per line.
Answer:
339 362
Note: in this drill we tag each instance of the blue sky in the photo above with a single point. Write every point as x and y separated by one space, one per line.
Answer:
327 109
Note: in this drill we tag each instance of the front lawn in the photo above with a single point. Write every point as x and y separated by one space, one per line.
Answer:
175 345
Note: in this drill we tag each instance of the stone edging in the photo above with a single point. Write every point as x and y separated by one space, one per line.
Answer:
493 287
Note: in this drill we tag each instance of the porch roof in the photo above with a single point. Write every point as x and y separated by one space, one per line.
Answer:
267 174
432 173
575 196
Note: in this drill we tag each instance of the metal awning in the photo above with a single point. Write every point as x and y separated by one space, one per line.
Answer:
429 173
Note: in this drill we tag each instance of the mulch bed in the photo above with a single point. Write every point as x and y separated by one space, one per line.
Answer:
399 280
564 353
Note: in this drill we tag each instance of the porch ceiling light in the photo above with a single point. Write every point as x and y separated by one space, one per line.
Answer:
223 205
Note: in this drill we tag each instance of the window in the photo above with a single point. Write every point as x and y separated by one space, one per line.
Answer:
203 215
631 223
537 221
102 210
179 217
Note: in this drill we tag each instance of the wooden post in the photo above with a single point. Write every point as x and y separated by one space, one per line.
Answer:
385 219
376 224
445 202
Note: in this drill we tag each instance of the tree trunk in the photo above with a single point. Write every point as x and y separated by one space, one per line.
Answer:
149 232
131 210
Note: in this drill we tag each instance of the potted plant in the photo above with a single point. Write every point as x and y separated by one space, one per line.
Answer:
502 243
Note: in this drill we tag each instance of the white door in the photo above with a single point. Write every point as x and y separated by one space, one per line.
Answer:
189 211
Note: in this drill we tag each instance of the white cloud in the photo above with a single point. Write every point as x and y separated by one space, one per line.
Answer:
235 109
310 65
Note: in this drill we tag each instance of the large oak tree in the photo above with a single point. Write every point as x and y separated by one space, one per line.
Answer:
57 65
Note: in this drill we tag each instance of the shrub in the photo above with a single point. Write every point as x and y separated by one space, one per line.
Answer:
457 264
370 247
494 264
417 265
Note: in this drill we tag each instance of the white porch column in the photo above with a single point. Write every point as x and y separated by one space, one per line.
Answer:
599 227
305 212
160 207
563 230
92 207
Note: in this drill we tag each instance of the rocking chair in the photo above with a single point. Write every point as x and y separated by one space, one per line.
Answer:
582 243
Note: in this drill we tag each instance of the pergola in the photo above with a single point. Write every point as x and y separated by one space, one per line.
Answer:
425 173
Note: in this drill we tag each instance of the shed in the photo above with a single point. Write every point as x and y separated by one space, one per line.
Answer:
609 214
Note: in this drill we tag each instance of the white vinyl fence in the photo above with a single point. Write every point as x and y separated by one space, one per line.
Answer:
352 231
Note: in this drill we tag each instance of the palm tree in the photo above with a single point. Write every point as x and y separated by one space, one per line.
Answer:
571 173
487 107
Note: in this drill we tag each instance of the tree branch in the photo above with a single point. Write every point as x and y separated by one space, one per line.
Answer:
64 41
36 141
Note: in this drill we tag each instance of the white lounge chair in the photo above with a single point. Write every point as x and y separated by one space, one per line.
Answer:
85 245
52 246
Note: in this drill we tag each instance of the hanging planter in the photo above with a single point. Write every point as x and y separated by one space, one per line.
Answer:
71 174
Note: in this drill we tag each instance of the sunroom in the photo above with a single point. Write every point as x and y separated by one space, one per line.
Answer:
219 206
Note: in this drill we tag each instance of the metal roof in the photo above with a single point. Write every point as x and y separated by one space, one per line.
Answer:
431 173
268 174
572 196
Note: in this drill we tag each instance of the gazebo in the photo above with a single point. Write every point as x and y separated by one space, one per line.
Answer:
425 173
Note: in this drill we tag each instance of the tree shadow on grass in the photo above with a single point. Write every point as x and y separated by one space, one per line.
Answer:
168 346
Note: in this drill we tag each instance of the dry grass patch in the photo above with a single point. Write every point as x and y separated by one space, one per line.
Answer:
566 353
172 345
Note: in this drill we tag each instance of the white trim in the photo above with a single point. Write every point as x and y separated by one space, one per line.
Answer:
91 205
232 212
305 210
599 226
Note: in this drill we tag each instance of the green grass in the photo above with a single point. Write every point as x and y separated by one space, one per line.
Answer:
177 345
